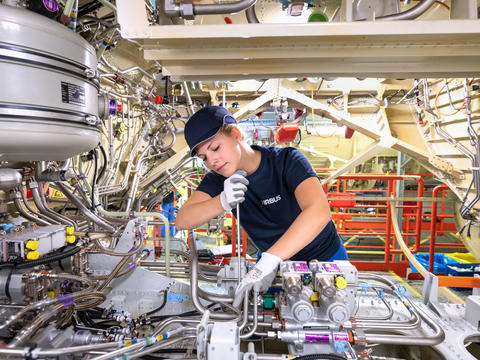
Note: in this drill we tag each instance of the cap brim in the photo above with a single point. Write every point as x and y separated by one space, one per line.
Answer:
193 152
227 119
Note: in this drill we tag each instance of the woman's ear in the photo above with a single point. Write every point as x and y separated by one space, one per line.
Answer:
237 133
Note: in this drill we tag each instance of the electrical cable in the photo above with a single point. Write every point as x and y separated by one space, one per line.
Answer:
45 260
164 302
7 283
185 314
94 180
104 167
320 357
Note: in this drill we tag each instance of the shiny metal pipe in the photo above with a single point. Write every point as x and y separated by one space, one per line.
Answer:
251 15
255 316
38 203
60 351
160 345
9 179
228 8
411 13
165 323
194 287
100 222
16 196
432 340
65 220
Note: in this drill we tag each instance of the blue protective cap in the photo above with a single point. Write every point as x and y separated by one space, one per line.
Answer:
205 124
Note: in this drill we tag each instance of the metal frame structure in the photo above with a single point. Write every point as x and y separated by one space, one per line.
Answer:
392 49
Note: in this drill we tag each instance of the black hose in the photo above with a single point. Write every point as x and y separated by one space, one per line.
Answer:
320 357
164 302
94 180
88 8
104 156
45 260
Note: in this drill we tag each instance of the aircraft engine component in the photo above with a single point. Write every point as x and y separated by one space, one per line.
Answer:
48 100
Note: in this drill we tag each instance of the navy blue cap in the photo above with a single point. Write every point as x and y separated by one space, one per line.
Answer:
205 124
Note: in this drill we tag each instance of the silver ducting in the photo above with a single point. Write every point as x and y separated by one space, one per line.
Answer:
9 179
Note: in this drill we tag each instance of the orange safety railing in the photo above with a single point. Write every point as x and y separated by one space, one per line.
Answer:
352 219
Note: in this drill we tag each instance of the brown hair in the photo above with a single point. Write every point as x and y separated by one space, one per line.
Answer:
227 129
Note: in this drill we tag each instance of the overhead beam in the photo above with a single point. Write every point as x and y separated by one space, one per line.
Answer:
391 49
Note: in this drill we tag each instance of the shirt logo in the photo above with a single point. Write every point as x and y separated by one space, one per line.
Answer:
272 200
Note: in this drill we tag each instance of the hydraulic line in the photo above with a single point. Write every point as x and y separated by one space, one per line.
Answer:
27 206
39 205
95 237
194 288
411 13
190 108
251 15
161 345
100 222
26 332
114 272
60 351
210 9
165 323
432 340
255 316
136 178
52 213
142 344
16 196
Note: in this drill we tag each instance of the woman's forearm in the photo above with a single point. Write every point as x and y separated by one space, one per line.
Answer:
192 215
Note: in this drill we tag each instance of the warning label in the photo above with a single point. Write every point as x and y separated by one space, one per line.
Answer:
73 94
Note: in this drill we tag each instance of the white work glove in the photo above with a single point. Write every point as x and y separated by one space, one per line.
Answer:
259 278
234 189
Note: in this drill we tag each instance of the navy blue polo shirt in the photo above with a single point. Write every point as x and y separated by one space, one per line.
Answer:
270 206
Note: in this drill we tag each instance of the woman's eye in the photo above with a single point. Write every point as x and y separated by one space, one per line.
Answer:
216 148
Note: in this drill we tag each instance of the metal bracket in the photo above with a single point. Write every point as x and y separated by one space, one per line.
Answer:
202 335
430 293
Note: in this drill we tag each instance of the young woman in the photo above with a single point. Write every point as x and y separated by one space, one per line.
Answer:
282 203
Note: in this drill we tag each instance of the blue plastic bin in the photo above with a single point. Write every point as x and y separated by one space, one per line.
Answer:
467 270
440 262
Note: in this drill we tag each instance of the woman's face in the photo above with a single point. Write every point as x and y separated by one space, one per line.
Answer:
221 153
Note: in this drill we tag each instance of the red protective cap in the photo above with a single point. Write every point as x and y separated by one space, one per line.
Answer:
349 133
228 20
158 100
119 107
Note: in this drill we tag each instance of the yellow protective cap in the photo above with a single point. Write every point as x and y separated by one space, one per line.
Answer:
33 255
51 294
32 245
314 297
70 239
69 230
341 282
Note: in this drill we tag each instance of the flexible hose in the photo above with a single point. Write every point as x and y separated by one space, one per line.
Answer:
251 15
45 260
320 357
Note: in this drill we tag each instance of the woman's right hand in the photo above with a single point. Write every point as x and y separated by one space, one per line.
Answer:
234 189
